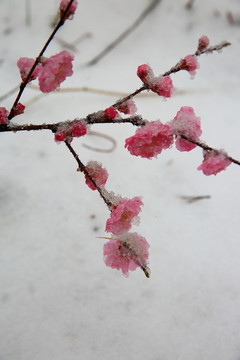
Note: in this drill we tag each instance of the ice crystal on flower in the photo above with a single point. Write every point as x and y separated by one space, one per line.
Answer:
24 65
97 173
123 215
214 162
150 140
55 70
190 64
70 129
127 252
186 123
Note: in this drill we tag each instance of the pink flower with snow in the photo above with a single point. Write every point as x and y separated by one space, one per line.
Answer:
24 65
3 115
128 107
127 252
123 214
150 140
55 70
111 113
97 173
203 43
190 64
162 85
186 123
145 73
214 162
70 129
71 10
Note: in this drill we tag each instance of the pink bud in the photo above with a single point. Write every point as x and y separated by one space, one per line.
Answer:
3 115
71 10
214 162
111 113
203 43
97 173
190 64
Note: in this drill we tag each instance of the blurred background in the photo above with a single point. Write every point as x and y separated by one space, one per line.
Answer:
58 299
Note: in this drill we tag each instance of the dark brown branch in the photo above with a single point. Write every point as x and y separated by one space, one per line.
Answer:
38 60
126 33
83 169
209 148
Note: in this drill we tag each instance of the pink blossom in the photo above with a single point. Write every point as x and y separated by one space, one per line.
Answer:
71 10
97 173
187 124
3 115
111 113
162 85
190 64
70 129
150 140
18 109
203 43
55 70
128 107
145 73
122 215
214 162
127 252
24 65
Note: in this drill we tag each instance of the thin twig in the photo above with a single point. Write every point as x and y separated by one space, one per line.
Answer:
83 169
38 59
126 33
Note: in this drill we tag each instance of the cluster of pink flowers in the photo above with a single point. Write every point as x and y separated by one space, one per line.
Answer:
162 85
97 173
71 10
214 162
51 72
149 140
125 251
4 113
70 129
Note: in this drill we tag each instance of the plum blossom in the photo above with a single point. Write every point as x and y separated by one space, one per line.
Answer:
18 109
186 123
214 162
97 173
127 107
150 140
55 70
203 43
127 252
111 113
162 85
24 65
190 64
71 10
70 129
123 215
3 115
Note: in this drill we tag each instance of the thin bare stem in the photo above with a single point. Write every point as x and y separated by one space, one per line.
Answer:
83 169
38 59
126 33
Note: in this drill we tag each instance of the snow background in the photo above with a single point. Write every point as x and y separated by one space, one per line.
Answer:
58 299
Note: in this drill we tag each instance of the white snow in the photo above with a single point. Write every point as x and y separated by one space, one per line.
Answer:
58 299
